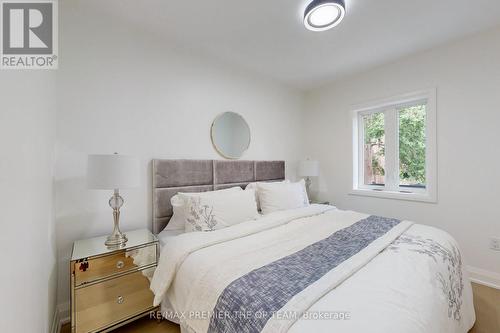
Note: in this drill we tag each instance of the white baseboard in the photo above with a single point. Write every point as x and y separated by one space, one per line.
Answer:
484 277
61 317
64 312
56 324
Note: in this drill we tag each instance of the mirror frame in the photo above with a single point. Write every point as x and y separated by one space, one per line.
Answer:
213 141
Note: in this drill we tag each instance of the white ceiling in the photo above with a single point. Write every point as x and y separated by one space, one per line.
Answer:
268 37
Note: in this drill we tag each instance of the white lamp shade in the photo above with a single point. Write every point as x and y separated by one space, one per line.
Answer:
309 168
109 172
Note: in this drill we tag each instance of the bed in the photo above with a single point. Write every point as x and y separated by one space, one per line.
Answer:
310 269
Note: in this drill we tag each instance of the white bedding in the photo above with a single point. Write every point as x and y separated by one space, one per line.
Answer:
404 281
165 235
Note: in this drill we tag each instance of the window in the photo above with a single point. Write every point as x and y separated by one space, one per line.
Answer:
395 147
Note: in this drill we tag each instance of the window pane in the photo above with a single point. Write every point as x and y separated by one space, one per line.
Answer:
374 149
412 146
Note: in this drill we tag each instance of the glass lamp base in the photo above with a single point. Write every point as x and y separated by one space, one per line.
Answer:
116 240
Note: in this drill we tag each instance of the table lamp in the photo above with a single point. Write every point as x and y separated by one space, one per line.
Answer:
113 172
308 169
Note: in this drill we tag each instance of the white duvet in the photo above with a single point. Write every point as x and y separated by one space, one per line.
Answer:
409 280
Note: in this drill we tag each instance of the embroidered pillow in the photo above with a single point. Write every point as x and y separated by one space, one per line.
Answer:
212 211
178 219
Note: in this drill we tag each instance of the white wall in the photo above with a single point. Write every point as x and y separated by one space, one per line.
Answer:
125 90
27 240
467 77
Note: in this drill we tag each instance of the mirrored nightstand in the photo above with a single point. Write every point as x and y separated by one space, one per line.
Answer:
110 287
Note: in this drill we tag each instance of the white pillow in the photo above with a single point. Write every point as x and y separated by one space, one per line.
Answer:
212 211
178 219
253 186
282 196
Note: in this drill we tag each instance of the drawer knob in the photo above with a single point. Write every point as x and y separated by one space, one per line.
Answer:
119 300
120 264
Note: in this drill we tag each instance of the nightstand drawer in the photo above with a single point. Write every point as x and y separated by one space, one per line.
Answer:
94 269
101 304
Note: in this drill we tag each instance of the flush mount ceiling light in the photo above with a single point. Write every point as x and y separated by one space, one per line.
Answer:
322 15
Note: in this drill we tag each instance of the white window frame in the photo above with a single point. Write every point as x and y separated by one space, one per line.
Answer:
391 189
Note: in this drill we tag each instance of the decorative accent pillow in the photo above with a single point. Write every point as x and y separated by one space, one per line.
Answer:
212 211
178 219
253 186
281 196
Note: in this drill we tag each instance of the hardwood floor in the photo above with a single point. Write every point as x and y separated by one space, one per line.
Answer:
486 302
487 305
144 325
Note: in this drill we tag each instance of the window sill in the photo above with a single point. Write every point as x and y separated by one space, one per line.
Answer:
421 197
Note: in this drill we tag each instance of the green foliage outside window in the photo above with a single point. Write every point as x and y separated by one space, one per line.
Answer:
411 143
374 137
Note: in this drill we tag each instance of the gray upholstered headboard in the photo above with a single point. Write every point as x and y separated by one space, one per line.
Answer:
172 176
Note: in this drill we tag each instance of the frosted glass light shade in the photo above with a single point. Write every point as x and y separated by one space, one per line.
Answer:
309 168
323 15
109 172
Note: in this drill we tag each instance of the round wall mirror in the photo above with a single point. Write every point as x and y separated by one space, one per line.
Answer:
230 135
